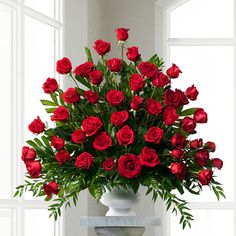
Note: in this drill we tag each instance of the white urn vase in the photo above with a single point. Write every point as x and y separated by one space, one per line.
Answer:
120 201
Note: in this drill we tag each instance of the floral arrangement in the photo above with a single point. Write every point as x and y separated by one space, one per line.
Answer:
121 125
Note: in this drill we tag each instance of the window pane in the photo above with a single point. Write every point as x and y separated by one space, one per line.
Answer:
192 19
6 222
211 70
206 222
6 93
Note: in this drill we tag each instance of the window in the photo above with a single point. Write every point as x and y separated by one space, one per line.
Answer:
30 43
199 36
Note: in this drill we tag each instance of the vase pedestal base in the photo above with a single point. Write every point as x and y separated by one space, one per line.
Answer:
119 231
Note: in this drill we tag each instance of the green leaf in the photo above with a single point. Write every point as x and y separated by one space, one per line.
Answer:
83 81
46 142
188 112
88 53
48 103
50 110
54 98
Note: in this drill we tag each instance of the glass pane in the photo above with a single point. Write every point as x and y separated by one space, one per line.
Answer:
206 222
6 222
211 70
37 223
6 93
202 19
47 7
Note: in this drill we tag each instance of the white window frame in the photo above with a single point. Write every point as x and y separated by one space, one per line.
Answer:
162 45
19 11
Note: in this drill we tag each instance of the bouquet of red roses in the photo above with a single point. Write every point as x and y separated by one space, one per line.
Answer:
121 125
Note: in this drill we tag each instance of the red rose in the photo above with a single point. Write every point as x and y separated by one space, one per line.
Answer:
171 98
102 141
179 170
188 124
136 102
122 34
173 71
91 96
84 161
78 136
36 126
91 125
192 93
109 164
125 136
64 66
62 156
177 153
218 163
71 96
51 188
211 146
183 100
114 64
161 80
129 166
50 86
119 118
154 135
201 157
96 77
57 142
102 47
153 107
136 82
60 114
147 69
205 176
178 141
84 69
200 116
115 97
196 143
34 168
28 154
149 157
133 54
170 115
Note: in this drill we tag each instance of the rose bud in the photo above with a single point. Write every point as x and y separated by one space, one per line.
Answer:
188 124
91 96
200 116
133 54
178 141
50 86
179 170
114 64
115 97
36 126
136 102
28 154
153 107
62 156
218 163
170 115
51 188
109 164
60 114
177 153
125 136
182 97
78 136
71 96
205 176
196 143
122 34
57 143
102 141
154 135
136 82
34 168
201 157
161 80
192 93
173 72
84 69
84 161
102 47
148 69
64 66
91 125
119 118
129 166
149 157
171 98
211 146
96 77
